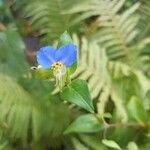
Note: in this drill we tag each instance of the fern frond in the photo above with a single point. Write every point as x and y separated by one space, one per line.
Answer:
26 113
90 68
117 33
25 117
144 23
47 17
91 8
93 67
118 69
106 77
115 30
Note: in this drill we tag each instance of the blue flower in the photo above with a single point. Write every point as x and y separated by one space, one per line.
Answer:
57 59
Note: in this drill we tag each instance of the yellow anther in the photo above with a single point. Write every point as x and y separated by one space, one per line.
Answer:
57 66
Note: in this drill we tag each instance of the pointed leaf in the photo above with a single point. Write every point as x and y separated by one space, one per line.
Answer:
64 39
111 144
132 146
78 93
136 110
85 123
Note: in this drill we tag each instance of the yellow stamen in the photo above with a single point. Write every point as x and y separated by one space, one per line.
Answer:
57 66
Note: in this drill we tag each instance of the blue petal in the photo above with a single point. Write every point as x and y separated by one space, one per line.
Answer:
66 54
46 56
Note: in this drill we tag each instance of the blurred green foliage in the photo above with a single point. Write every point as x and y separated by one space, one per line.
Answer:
114 58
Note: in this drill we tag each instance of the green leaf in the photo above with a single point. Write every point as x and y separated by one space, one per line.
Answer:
85 123
111 144
132 146
64 39
78 93
136 110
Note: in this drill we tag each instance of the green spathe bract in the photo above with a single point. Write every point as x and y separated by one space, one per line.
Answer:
64 39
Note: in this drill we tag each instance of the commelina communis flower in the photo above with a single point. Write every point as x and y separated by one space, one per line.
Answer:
57 59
